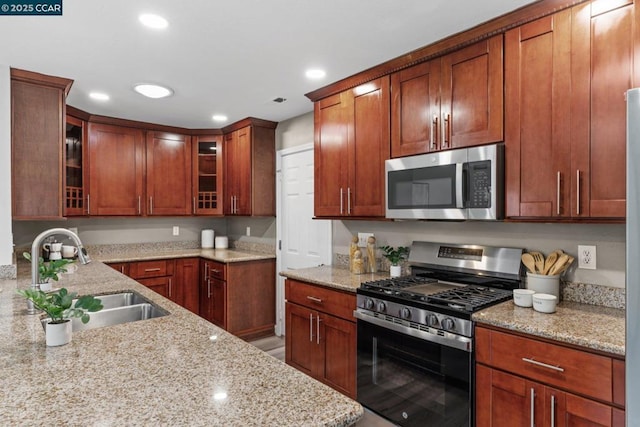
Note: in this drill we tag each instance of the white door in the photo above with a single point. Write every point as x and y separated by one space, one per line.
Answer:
302 241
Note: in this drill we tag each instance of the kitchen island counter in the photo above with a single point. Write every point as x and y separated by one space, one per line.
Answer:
172 370
589 326
220 255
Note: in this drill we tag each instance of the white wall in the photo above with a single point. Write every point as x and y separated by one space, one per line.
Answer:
295 131
6 237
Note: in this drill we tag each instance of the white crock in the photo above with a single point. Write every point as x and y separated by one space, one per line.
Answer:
395 270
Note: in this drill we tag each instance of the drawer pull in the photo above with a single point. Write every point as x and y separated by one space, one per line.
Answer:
215 271
544 365
314 299
149 270
532 407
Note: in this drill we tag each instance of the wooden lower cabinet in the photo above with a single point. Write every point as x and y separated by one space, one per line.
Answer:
521 395
320 338
185 289
239 296
157 284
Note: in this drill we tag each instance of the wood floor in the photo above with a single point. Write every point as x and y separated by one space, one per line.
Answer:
275 347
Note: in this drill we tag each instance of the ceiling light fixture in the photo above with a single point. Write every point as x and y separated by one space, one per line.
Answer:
156 22
152 90
315 74
99 96
219 118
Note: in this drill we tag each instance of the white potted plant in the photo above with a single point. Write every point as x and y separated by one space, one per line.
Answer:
48 271
395 256
60 308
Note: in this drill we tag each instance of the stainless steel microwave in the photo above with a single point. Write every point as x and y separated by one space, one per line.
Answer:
460 184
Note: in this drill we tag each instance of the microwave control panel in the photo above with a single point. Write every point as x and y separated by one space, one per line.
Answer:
479 184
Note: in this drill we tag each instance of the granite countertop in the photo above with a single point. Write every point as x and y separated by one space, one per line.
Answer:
220 255
333 277
162 371
589 326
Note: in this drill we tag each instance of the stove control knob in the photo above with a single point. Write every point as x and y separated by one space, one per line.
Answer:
448 324
432 319
405 313
382 307
368 304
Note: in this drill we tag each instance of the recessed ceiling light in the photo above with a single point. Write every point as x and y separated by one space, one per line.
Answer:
156 22
152 90
219 118
315 73
99 96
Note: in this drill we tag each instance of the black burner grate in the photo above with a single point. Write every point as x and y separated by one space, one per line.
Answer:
470 298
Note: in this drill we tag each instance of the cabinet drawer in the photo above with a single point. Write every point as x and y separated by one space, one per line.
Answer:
215 270
143 269
573 370
340 304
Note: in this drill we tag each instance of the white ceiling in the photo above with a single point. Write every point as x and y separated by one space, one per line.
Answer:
232 57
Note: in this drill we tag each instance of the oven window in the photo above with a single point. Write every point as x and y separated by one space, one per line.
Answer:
423 188
410 381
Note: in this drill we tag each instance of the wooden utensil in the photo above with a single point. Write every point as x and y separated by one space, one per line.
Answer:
559 264
529 262
548 263
567 264
539 261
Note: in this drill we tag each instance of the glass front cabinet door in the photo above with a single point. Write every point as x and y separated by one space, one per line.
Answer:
207 179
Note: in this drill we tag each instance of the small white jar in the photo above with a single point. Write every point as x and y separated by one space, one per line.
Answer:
544 303
523 297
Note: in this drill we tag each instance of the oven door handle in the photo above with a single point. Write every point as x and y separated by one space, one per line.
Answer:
447 339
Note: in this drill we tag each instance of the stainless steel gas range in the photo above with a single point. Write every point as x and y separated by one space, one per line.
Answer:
415 333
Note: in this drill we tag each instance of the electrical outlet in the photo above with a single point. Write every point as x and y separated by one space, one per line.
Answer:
362 239
587 257
176 230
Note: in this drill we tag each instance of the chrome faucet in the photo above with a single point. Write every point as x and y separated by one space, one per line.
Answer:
35 250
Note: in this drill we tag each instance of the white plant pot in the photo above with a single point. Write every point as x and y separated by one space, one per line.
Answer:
395 270
46 286
58 333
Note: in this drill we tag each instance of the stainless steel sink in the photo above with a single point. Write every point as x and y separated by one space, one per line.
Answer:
118 308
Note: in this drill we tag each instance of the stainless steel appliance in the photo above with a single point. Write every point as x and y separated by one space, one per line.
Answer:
458 184
415 333
632 344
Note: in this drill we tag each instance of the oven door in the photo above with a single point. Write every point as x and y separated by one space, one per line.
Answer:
413 382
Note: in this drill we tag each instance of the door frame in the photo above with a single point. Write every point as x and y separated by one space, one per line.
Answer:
280 308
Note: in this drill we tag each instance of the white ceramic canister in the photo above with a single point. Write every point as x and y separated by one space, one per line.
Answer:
544 284
206 239
222 242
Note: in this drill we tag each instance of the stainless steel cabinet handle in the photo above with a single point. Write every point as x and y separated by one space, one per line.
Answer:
88 204
434 132
231 204
314 299
578 192
310 327
544 365
553 411
349 201
446 131
208 288
533 407
194 205
149 270
318 329
151 205
558 193
341 205
139 206
206 269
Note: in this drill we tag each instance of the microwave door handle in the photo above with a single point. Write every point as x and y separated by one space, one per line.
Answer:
459 186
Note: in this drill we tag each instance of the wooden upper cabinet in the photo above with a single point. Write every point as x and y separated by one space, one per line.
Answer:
37 135
415 109
538 117
449 102
207 179
76 173
116 170
168 174
331 129
351 145
566 75
472 95
606 35
249 169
